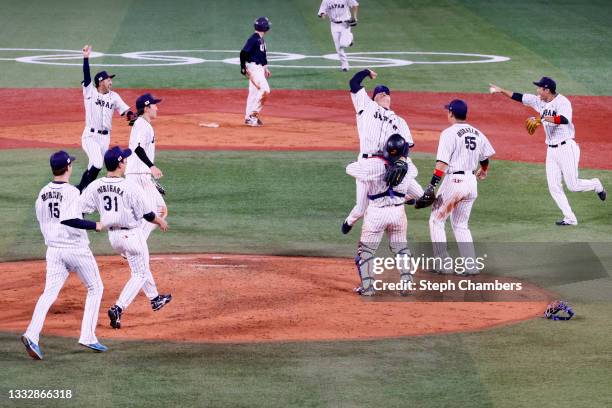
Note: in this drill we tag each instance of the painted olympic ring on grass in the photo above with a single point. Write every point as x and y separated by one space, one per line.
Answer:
374 59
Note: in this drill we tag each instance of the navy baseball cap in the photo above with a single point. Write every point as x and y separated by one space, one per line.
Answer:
146 100
101 76
60 159
379 89
113 156
262 24
547 83
458 107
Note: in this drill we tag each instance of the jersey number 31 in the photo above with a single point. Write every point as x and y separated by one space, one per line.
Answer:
108 203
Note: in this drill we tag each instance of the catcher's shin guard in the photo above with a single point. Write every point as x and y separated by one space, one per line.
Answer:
363 260
404 265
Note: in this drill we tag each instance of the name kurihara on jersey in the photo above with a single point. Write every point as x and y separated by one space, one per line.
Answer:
119 202
462 147
375 124
57 202
142 135
560 105
99 107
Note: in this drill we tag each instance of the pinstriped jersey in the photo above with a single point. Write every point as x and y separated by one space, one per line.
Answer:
560 105
372 172
462 147
120 202
337 10
142 135
375 124
99 107
57 202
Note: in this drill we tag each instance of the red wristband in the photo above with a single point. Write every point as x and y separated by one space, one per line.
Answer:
557 119
438 172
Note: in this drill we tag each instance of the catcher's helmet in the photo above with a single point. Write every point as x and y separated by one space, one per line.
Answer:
395 148
262 24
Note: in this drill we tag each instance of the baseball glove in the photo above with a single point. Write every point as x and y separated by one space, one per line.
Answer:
557 306
396 172
158 186
427 199
531 124
352 22
131 118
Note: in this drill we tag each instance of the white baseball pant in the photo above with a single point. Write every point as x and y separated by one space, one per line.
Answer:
455 198
133 245
342 36
152 196
259 89
377 221
59 262
95 145
562 164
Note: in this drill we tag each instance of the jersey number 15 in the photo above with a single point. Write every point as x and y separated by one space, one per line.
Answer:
54 209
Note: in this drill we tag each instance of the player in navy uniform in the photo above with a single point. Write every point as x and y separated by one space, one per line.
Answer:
254 65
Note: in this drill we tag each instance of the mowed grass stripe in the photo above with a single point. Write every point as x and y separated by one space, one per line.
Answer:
292 203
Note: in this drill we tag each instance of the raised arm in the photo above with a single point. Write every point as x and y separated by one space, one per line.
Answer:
86 71
512 95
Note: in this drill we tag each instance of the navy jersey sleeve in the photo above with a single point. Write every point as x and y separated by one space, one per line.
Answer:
250 43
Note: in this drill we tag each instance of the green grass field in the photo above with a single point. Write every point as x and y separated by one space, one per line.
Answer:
292 203
566 40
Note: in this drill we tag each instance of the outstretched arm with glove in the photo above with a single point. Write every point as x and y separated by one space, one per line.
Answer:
429 195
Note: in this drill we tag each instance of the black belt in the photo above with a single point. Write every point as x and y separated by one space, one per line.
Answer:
557 145
102 132
370 155
118 228
337 22
389 193
461 172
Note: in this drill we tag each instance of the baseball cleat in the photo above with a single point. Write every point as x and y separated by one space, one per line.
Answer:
602 195
364 292
563 222
160 301
97 347
253 121
114 314
440 271
344 69
32 348
346 228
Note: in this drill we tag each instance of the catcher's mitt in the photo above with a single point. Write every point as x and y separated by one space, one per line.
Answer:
531 124
426 199
158 186
352 22
557 306
396 172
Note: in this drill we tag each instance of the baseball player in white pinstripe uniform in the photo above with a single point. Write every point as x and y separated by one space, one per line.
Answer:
563 153
141 169
376 122
386 212
342 16
100 104
121 206
461 149
67 250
